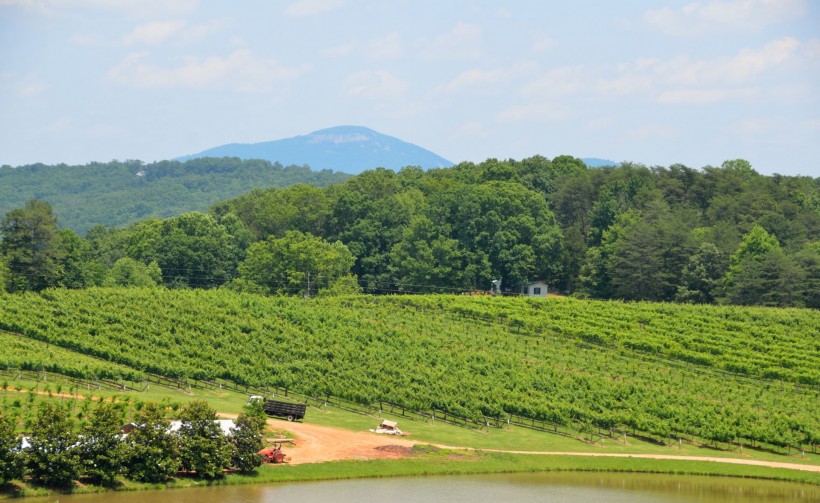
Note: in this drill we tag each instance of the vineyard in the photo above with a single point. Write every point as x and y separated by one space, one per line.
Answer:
720 374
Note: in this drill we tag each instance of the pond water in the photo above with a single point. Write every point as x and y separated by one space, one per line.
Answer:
519 488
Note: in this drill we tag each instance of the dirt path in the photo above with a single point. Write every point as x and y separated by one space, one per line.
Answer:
315 444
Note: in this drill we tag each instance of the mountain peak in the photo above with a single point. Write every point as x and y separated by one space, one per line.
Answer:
351 149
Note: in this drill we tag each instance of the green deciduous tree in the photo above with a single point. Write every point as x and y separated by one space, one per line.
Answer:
296 263
247 437
745 277
53 456
193 250
702 275
129 272
31 245
79 269
426 261
203 448
102 450
11 462
152 452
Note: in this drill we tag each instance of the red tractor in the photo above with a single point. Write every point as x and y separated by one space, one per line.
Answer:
273 454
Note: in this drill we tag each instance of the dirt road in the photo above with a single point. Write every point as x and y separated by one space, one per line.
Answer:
315 444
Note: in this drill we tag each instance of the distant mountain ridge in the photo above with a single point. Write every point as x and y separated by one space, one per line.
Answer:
594 162
350 149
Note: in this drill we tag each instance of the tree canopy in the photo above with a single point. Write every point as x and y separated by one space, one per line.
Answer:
717 234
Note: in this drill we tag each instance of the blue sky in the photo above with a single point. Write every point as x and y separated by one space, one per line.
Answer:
691 82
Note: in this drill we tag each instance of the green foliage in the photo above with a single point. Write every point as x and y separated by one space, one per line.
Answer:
247 438
296 263
31 247
193 250
627 232
755 244
11 461
427 261
129 272
116 194
30 354
53 456
808 259
79 268
5 277
657 368
702 275
343 285
203 448
152 454
102 451
770 279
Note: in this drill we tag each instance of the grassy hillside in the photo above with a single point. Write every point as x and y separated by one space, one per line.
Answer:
665 371
119 193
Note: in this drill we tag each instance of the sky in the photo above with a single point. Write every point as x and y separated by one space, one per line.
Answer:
651 82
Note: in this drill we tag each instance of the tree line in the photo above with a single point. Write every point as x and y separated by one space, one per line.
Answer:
716 235
59 452
118 193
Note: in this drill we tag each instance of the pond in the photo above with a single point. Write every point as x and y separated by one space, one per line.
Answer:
519 488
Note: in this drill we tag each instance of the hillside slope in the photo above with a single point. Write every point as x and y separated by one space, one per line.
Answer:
681 371
119 193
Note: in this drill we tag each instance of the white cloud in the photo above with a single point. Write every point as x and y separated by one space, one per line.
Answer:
241 70
487 78
463 42
749 62
561 81
379 84
302 8
682 80
706 96
340 50
60 125
652 132
135 8
716 16
472 129
198 32
153 33
541 43
30 86
90 39
22 86
599 124
754 126
158 32
387 47
537 111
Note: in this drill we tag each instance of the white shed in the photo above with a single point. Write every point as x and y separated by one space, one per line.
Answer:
537 289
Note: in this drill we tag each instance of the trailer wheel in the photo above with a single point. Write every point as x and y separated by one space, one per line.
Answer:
290 417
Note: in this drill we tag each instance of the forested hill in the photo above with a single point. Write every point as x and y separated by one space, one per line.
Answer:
119 193
716 235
